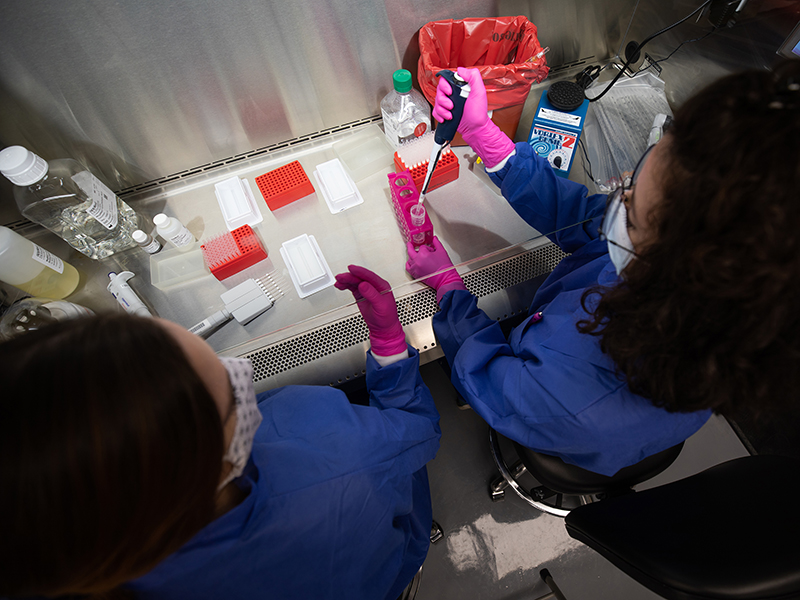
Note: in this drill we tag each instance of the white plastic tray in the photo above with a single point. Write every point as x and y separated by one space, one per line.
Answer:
338 189
308 269
237 203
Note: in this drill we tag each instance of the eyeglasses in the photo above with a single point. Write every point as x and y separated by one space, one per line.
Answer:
614 203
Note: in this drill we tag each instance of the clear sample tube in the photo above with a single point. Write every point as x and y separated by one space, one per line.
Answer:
417 212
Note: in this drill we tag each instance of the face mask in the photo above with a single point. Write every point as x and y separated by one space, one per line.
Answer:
615 228
248 417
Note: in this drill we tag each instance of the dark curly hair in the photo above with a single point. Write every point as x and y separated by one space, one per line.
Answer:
709 316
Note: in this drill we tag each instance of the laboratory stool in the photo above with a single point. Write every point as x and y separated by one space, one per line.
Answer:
561 486
726 533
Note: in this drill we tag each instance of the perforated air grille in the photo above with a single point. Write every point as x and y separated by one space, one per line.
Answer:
514 270
306 347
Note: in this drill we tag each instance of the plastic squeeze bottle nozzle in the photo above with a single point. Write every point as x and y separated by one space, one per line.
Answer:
63 196
33 269
405 112
174 232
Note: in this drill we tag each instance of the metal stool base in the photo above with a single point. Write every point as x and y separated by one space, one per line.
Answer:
509 476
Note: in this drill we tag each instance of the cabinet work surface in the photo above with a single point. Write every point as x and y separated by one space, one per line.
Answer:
321 338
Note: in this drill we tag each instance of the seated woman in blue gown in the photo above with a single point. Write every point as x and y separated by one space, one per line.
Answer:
136 463
679 295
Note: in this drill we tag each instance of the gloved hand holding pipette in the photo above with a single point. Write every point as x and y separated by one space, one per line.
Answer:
446 131
475 126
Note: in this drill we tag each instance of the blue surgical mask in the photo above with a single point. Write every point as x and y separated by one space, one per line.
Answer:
248 417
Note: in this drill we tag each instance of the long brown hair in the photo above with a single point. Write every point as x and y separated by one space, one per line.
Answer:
709 316
110 454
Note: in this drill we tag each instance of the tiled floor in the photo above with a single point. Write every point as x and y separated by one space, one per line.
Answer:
494 551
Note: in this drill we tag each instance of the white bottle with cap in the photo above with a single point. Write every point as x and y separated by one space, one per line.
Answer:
33 269
147 242
174 232
65 197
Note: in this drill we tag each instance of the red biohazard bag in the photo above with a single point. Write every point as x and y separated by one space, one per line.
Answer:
503 49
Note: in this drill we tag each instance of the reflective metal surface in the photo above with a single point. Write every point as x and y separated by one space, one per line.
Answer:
142 90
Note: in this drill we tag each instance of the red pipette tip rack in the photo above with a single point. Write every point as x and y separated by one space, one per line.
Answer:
284 185
233 251
446 170
404 195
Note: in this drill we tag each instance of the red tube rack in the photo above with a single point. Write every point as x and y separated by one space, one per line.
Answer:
446 170
404 195
233 251
284 185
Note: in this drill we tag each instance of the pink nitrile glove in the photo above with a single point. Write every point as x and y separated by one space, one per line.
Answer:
477 129
376 302
434 267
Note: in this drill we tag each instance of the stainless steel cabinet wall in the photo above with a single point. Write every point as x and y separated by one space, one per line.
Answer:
142 89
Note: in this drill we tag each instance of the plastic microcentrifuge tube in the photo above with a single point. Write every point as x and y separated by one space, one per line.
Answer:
417 212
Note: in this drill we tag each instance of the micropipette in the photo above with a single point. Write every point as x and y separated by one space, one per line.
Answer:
445 132
125 295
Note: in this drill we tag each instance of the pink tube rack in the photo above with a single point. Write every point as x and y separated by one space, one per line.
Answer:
404 195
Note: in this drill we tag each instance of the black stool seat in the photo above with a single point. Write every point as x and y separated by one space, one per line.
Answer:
555 474
727 533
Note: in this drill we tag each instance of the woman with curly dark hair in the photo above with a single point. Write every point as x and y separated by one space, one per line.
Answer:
679 296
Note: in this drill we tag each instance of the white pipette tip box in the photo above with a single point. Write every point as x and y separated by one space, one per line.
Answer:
308 269
237 203
338 189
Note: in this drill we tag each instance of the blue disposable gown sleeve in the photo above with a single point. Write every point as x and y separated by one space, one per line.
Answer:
557 207
400 426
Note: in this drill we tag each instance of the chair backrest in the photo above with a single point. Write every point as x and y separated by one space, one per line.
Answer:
555 474
731 532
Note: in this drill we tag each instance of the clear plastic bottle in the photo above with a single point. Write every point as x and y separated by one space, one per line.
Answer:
65 197
33 269
406 114
174 232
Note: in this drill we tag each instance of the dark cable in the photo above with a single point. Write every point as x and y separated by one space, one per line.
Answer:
586 158
640 46
702 37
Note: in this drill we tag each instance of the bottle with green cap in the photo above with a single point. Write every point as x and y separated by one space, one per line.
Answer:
406 114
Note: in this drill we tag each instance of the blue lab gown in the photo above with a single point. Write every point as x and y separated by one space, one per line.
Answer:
338 503
547 386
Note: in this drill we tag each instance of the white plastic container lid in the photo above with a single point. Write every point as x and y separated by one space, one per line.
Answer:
338 189
308 269
237 203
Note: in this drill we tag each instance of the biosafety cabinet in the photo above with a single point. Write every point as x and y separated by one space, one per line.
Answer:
165 99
